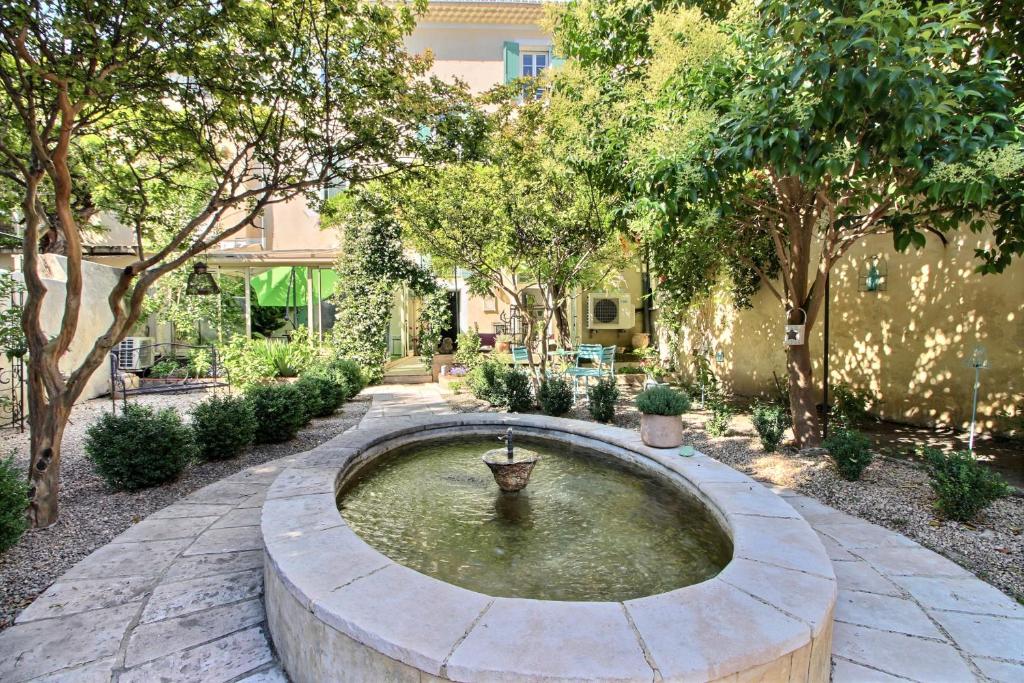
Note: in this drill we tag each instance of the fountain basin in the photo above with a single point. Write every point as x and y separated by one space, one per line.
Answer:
340 610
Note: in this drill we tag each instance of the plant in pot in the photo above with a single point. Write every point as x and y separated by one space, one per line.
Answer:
660 424
502 343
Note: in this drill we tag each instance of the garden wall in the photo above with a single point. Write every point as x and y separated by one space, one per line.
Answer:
906 345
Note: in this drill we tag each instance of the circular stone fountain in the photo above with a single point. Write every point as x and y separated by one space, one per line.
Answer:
618 562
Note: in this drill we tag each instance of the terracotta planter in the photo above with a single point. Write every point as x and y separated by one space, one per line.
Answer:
641 340
502 347
661 431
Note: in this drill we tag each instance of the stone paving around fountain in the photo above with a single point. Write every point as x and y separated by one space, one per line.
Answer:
178 597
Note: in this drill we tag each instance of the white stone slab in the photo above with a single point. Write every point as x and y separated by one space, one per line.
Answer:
817 512
748 498
196 566
238 517
288 517
191 510
960 595
71 597
219 661
94 672
848 672
303 481
911 561
403 614
153 640
834 550
804 596
710 630
862 534
886 613
1002 672
860 576
43 647
128 559
901 655
195 595
165 529
225 493
787 543
984 635
553 641
226 541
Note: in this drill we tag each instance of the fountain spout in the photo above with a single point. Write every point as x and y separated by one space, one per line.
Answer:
508 444
510 474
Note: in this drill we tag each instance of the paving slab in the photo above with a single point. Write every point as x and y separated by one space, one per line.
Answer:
984 635
216 662
860 576
128 559
196 566
152 640
38 648
861 534
1003 672
918 659
238 517
912 560
196 595
886 613
848 672
182 509
163 529
100 671
226 540
71 597
959 595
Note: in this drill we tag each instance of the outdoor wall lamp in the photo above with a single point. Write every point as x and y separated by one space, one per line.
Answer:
200 281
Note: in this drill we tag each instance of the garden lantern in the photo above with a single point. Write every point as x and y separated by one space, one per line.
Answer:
872 277
200 281
796 333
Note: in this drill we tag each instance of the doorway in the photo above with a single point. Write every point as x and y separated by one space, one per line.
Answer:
451 330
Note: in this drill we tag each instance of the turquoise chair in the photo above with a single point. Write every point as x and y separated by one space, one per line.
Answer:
602 359
520 356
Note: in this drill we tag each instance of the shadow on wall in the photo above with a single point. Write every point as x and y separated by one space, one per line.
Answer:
908 345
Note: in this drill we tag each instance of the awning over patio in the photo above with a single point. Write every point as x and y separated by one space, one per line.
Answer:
286 285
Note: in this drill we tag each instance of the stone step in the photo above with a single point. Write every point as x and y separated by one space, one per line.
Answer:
407 379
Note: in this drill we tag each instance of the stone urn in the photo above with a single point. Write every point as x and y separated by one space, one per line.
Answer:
661 431
511 474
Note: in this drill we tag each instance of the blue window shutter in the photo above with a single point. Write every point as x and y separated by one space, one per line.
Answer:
511 61
555 61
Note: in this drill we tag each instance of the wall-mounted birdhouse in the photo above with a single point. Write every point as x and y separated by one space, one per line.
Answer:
796 333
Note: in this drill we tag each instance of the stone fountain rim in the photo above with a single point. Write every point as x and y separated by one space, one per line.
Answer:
779 584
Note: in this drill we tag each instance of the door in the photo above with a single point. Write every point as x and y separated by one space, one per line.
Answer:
452 329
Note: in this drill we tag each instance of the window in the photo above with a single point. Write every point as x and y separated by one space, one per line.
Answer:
534 63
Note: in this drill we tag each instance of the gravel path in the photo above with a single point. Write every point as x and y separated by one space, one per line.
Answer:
892 493
91 513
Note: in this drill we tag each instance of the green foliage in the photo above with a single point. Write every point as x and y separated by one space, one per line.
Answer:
555 396
851 406
371 267
12 337
139 448
486 381
279 409
244 363
321 395
601 399
468 353
223 426
200 362
164 368
13 501
962 485
517 391
721 412
662 401
501 386
285 358
435 316
770 420
850 451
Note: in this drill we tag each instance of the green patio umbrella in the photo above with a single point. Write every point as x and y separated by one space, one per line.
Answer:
286 285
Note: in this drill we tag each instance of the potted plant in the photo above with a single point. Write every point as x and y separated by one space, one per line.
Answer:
660 424
503 343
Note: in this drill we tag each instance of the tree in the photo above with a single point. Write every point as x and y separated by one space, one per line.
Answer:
516 218
266 101
808 126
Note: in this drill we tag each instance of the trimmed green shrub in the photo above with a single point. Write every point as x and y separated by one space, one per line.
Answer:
347 371
850 451
13 501
468 351
555 396
279 409
223 426
770 420
517 391
662 401
721 412
244 364
139 447
322 396
486 381
601 398
963 486
851 406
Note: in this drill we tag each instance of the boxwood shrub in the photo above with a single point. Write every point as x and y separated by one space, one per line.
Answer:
662 401
223 426
601 398
963 486
850 451
770 421
322 396
140 447
13 501
555 396
279 409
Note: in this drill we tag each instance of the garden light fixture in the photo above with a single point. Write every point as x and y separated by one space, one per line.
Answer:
200 281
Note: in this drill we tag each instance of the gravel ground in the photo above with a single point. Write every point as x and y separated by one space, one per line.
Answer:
892 493
91 513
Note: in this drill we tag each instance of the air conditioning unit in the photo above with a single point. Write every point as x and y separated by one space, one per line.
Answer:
134 353
610 311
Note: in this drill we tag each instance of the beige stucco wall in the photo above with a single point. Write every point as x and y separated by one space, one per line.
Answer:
906 345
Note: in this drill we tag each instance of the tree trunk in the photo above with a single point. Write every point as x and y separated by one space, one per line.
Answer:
47 429
801 396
